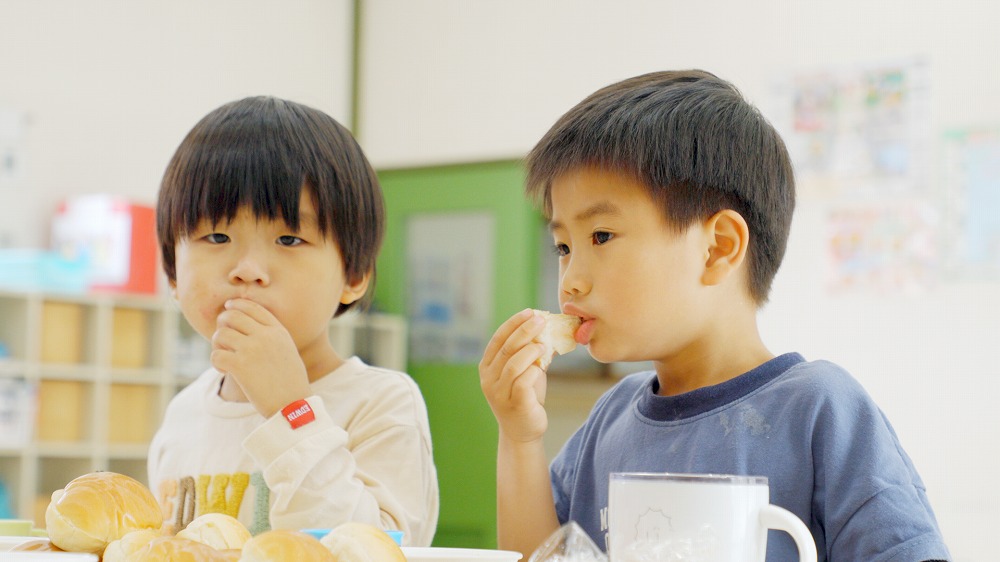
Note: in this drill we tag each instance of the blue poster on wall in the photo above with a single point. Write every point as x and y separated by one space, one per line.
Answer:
450 285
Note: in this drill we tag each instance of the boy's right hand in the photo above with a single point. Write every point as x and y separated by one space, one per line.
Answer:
512 381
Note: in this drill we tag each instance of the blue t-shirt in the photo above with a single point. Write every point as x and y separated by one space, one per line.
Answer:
829 453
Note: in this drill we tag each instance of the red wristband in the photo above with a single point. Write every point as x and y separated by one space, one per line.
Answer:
298 413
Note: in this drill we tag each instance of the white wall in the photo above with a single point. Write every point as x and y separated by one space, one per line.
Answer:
452 80
109 88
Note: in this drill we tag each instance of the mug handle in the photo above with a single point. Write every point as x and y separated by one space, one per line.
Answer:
775 517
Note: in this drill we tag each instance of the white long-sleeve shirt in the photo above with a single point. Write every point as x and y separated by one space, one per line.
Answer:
367 457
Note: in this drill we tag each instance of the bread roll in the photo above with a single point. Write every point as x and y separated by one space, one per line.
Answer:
217 530
280 545
175 549
557 336
360 542
119 550
97 508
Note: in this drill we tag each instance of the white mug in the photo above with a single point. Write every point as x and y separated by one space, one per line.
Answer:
696 518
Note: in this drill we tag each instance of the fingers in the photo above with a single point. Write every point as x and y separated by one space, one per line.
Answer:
510 356
252 309
240 318
504 332
524 385
511 337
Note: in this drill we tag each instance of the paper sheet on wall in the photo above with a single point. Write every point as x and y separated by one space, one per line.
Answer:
860 141
450 261
972 179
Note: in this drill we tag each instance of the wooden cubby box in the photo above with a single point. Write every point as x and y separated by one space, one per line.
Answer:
13 335
135 414
63 411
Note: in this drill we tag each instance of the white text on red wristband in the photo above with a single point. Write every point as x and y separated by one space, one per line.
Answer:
298 413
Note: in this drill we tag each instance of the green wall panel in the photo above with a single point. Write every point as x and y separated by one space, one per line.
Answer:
462 426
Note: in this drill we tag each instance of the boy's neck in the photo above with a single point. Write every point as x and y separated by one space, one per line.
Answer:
713 360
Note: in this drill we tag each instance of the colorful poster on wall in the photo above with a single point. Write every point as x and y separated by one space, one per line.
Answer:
887 248
972 181
860 131
860 141
450 261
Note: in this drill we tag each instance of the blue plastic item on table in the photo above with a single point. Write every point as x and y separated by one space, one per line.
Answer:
397 536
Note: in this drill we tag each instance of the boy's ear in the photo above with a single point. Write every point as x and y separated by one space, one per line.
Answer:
729 238
354 291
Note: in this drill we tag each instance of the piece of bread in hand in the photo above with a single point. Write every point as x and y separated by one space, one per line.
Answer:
278 545
217 530
557 336
361 542
97 508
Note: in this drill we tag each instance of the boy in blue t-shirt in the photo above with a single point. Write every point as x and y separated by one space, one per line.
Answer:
669 199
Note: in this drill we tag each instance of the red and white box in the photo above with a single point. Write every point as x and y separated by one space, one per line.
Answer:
117 237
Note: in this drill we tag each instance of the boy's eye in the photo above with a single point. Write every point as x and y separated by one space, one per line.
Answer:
217 238
602 237
289 240
561 249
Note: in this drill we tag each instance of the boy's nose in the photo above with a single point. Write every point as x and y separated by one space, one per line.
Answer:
249 269
572 279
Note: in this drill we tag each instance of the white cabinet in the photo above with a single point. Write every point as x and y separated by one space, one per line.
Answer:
84 380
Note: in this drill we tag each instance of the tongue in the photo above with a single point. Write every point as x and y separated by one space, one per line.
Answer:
582 335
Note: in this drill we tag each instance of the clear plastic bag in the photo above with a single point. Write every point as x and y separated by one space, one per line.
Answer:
569 544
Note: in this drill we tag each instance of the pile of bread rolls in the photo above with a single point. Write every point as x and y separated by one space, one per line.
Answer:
117 518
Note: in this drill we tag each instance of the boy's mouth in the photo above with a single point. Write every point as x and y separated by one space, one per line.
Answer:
583 333
586 329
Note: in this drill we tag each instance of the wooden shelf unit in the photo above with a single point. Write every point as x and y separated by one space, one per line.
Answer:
74 356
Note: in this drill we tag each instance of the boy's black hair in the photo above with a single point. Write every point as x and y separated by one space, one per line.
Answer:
695 143
260 153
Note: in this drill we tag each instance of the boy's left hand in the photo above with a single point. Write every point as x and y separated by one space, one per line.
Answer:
254 348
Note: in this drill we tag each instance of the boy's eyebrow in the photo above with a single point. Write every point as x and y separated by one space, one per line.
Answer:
599 208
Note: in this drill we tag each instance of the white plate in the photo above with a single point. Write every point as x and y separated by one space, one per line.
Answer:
8 543
439 554
47 557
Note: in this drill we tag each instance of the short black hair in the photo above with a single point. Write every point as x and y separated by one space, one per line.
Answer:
260 153
695 143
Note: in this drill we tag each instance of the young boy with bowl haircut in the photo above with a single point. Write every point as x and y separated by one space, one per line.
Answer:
270 219
670 199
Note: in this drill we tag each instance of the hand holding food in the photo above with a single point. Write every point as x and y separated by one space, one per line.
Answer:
98 508
512 371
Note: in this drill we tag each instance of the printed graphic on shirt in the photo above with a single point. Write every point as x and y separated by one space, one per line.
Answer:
184 499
